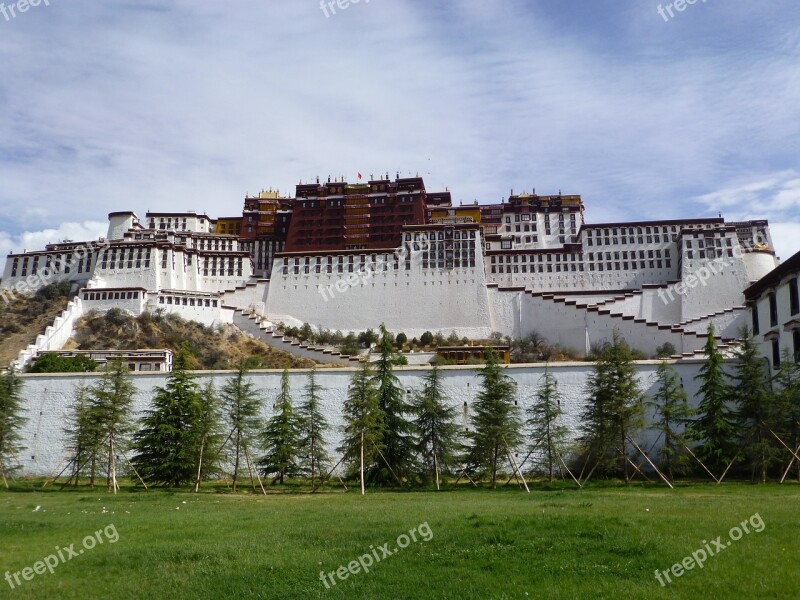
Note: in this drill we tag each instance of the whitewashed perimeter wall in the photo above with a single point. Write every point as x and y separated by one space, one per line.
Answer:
47 397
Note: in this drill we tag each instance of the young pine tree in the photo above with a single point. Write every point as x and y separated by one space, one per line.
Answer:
167 444
437 442
496 423
111 402
242 407
281 437
11 421
83 439
548 435
397 443
714 427
313 426
614 410
753 397
671 414
364 428
786 405
208 430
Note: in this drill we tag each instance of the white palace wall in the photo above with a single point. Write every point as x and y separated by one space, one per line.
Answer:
430 299
47 397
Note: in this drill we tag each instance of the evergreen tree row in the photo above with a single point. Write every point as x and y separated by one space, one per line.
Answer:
190 433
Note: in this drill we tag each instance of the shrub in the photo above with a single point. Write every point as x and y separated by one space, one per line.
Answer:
400 340
50 362
665 350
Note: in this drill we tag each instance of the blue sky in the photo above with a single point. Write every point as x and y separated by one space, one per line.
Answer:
189 105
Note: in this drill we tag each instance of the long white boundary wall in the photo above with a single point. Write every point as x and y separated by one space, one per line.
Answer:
48 397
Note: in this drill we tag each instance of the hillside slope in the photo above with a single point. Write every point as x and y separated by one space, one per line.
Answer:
26 316
221 347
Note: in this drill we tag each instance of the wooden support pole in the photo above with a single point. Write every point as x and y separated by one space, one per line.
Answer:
564 464
689 450
400 483
791 462
362 463
655 468
199 465
130 464
253 469
322 482
436 469
729 467
516 467
636 468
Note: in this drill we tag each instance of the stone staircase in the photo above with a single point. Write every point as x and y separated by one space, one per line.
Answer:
260 328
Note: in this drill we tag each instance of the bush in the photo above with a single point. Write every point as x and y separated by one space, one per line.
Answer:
350 349
400 340
665 350
367 338
52 291
305 333
116 317
426 339
53 363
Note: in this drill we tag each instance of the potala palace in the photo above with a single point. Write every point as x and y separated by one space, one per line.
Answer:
348 256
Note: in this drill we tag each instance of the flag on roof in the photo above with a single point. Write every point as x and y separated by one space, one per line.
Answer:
359 176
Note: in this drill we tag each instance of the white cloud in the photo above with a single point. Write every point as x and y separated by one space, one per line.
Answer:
785 238
36 240
185 105
772 196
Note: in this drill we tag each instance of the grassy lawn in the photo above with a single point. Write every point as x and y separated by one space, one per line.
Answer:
557 542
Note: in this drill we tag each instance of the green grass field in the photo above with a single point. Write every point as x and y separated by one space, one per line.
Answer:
557 542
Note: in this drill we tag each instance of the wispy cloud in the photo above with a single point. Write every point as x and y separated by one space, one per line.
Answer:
774 196
188 105
36 240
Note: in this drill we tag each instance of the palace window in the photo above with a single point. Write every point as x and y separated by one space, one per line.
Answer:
773 310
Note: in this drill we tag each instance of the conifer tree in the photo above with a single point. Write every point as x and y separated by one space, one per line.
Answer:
364 428
208 432
83 439
167 444
671 414
496 425
242 408
753 397
111 403
281 437
614 410
313 426
438 434
714 427
786 405
11 421
548 435
397 441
